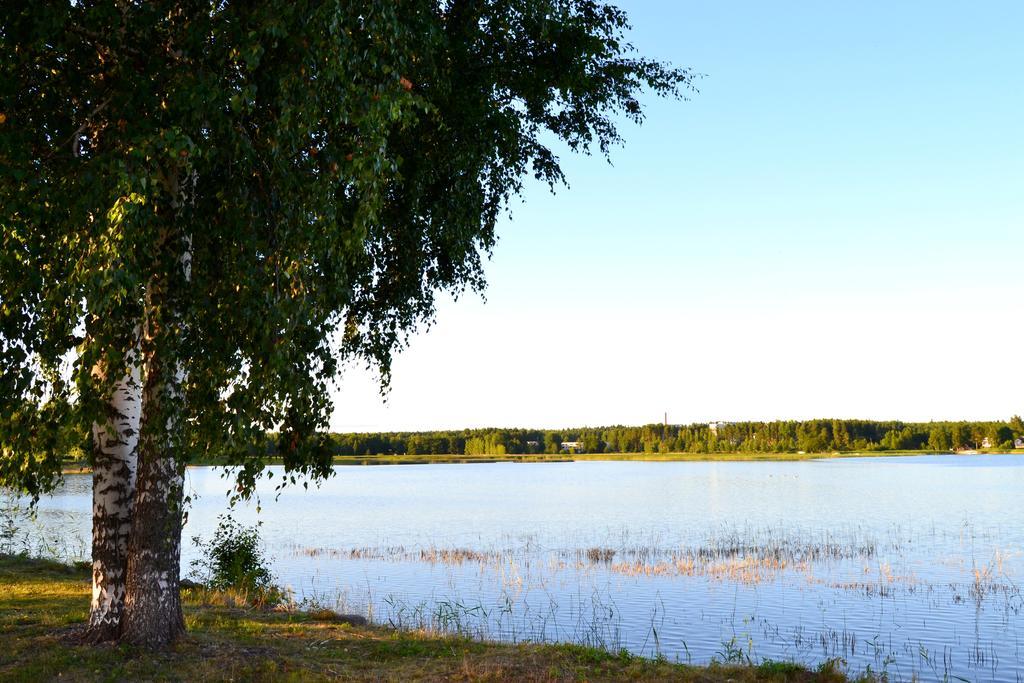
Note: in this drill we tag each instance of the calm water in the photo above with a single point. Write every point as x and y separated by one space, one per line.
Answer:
910 565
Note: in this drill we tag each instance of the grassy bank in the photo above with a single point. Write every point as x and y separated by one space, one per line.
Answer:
43 605
603 457
405 459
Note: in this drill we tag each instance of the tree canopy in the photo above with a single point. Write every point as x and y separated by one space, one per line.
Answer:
782 436
325 167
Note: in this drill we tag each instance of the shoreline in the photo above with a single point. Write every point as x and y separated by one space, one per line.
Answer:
453 459
45 605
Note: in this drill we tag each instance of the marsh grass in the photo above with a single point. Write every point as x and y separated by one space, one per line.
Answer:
529 592
20 536
743 556
43 605
600 555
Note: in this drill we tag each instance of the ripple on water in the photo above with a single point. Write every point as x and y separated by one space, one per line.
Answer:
898 564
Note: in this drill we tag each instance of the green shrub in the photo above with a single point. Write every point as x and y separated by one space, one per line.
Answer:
233 559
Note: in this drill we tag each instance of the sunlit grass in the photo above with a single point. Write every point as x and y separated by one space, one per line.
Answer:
406 459
81 467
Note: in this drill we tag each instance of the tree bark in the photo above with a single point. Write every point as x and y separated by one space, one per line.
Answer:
152 611
115 451
152 614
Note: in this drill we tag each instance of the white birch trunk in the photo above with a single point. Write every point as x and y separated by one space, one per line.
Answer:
153 615
115 453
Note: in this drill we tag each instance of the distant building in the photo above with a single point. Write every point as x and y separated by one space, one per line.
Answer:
715 426
572 446
986 443
1018 443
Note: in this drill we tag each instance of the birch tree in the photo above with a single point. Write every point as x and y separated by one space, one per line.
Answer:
205 207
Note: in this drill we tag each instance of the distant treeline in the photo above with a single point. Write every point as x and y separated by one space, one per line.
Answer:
810 436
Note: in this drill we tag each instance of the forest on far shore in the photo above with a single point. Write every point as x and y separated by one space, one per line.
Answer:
789 436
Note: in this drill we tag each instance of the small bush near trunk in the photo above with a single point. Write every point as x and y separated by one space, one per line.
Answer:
233 559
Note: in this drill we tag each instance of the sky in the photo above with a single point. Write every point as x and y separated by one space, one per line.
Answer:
833 226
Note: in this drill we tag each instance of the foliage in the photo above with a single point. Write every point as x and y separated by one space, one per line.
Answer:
233 559
245 194
811 436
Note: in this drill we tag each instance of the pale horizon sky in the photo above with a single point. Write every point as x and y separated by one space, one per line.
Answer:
832 227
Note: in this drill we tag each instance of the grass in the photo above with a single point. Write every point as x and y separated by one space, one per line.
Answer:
43 605
79 467
406 459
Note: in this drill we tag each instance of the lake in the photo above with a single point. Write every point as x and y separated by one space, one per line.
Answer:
907 565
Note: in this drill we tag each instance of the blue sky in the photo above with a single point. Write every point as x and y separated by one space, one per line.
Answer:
832 226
